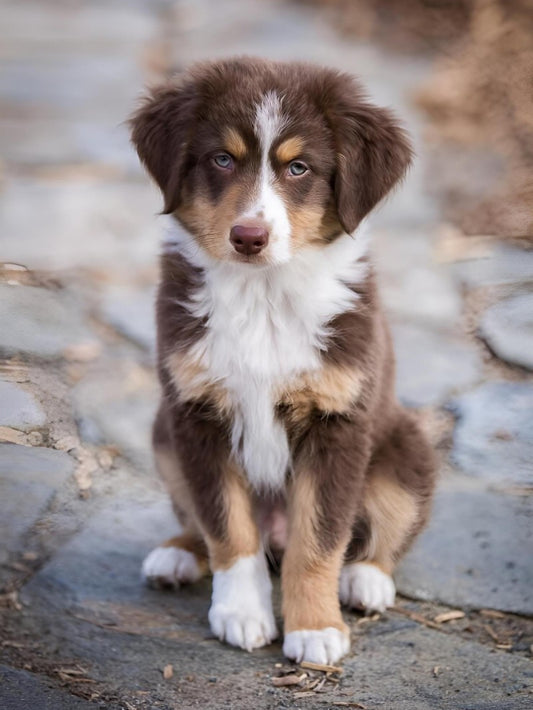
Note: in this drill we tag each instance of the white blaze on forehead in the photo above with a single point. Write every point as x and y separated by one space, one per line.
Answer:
269 120
268 203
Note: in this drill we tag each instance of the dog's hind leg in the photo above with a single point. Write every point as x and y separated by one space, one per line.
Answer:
182 559
397 500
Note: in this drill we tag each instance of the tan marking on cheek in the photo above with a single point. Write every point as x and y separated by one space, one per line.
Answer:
332 390
306 226
234 143
289 149
393 513
242 534
192 383
309 579
210 223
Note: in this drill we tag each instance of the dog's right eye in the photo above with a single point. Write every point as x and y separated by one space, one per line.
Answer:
223 160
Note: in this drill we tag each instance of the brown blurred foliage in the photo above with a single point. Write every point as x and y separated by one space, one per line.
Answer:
479 100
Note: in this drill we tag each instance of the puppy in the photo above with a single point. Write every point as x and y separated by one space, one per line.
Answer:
278 428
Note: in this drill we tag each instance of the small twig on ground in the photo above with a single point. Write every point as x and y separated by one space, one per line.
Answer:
417 617
320 667
491 633
449 616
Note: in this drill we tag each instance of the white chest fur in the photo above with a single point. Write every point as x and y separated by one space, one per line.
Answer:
264 327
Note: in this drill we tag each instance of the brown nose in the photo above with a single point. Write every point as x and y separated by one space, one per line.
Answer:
248 239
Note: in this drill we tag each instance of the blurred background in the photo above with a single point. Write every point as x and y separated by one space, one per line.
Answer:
79 236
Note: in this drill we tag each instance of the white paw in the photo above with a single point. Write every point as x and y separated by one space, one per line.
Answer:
324 646
365 586
170 567
241 609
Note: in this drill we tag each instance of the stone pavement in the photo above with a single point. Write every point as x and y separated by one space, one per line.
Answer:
79 502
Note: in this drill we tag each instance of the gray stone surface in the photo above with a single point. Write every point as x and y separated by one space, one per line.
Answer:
431 365
394 669
100 224
116 403
19 408
125 633
413 285
75 200
112 546
507 328
29 478
132 313
476 552
37 321
493 437
20 690
506 266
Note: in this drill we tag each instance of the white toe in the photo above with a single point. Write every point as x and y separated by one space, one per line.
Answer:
324 646
364 586
241 610
170 566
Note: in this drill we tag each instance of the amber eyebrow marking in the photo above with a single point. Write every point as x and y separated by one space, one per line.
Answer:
234 142
289 149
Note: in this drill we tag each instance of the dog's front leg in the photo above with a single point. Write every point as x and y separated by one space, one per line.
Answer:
241 609
323 500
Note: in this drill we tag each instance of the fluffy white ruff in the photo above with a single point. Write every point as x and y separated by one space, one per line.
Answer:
241 607
266 325
170 567
365 586
324 646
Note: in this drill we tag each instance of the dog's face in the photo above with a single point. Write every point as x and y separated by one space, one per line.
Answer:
258 159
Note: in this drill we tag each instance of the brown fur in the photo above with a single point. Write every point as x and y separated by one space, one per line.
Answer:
309 579
363 472
241 536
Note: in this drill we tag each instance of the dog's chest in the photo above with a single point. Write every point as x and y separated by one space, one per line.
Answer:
264 329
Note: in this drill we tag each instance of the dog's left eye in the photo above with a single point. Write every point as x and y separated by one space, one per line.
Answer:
223 160
297 168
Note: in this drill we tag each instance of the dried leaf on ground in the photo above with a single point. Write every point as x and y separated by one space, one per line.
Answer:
286 680
492 613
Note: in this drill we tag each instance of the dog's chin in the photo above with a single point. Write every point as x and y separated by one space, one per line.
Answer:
249 260
255 260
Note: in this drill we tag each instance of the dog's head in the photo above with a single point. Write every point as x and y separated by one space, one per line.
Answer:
259 159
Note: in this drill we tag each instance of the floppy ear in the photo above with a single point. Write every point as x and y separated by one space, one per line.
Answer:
160 133
373 153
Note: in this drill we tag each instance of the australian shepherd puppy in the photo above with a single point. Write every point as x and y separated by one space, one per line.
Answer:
278 430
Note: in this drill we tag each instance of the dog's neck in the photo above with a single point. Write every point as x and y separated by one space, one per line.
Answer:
275 317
